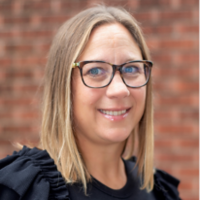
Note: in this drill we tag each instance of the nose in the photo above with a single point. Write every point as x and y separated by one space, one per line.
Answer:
117 88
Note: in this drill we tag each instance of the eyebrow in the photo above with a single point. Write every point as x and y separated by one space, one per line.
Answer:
106 60
132 59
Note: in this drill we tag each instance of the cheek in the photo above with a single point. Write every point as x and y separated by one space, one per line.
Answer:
142 95
139 96
85 103
83 98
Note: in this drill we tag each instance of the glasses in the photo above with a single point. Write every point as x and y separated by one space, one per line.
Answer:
99 74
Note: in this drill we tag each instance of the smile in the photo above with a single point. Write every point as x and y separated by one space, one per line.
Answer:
113 113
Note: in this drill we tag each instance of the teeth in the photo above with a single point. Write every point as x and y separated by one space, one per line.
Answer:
114 113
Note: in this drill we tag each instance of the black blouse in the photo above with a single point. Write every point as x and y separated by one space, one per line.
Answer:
31 174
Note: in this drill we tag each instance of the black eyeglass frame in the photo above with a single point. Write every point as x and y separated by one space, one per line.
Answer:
81 64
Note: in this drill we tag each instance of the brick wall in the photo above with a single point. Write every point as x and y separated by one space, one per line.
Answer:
171 31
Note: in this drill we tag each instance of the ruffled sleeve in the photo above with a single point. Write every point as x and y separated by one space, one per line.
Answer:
166 186
31 174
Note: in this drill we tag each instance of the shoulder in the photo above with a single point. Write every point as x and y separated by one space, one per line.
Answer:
165 185
31 174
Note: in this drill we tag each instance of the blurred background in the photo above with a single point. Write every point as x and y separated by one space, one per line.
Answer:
172 34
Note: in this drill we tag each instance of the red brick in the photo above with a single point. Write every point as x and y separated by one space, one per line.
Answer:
5 7
175 158
36 34
141 17
179 100
54 19
193 115
5 62
16 133
168 70
173 144
26 35
20 116
177 129
173 167
29 61
192 3
17 7
175 15
17 74
133 4
190 197
173 44
27 88
196 15
159 29
186 28
75 6
23 88
19 101
176 86
178 115
175 59
56 6
1 21
17 129
178 44
23 75
189 172
19 48
185 186
175 3
154 3
186 58
35 20
39 6
13 20
160 58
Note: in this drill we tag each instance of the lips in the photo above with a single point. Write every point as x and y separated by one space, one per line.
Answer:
113 113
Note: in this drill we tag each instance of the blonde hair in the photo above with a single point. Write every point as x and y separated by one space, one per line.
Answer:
57 128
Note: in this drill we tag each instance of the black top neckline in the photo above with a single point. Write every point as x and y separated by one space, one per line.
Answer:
126 191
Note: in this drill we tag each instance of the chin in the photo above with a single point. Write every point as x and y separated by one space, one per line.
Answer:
116 136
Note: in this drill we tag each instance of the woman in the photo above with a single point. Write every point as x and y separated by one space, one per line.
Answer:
97 97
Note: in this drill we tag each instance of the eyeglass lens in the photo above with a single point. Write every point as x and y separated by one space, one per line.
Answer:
98 74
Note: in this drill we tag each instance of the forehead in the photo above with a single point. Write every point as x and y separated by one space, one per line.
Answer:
110 39
116 33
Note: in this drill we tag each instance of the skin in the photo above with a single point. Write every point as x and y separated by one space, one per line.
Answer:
100 140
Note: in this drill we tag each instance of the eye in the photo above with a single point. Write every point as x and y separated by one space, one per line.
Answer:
131 69
96 71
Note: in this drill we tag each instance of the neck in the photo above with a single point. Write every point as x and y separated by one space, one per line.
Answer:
104 163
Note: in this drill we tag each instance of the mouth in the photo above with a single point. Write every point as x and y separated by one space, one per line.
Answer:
114 112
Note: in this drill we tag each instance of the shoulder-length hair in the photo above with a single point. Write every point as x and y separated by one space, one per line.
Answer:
57 125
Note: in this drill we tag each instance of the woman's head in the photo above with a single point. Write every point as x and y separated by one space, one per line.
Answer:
108 114
64 108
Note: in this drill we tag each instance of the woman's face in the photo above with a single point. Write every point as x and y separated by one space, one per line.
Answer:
112 43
